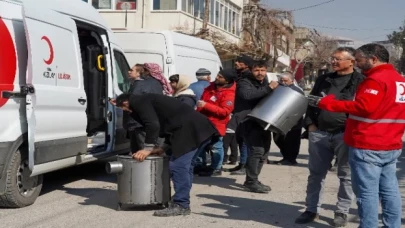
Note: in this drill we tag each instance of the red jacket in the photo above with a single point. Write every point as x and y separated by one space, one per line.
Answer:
377 114
219 105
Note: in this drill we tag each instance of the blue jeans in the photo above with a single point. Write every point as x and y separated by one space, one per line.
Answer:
374 178
243 151
181 173
217 150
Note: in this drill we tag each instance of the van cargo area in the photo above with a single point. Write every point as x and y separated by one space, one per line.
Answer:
95 85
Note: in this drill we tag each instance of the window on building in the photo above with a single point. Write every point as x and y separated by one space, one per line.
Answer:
230 21
202 8
221 16
196 8
237 25
190 7
212 12
217 13
184 5
113 4
102 4
164 4
226 18
233 30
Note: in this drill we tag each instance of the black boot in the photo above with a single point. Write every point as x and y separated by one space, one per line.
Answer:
172 210
211 173
255 187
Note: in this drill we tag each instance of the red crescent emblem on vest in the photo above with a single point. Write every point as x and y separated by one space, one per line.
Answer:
50 59
403 87
8 61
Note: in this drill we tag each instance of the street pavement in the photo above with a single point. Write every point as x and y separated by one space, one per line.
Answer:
85 196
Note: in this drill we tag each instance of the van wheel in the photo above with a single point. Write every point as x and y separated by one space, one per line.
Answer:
21 189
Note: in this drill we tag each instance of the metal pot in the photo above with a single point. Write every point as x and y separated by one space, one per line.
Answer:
141 183
280 110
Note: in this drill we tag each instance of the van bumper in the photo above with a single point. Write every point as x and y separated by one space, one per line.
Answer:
6 151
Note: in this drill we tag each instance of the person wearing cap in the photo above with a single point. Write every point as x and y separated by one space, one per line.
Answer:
217 103
203 81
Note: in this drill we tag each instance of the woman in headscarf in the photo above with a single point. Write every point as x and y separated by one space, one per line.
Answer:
180 84
155 71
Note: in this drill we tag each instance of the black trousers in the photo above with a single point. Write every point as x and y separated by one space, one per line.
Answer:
289 144
230 141
258 142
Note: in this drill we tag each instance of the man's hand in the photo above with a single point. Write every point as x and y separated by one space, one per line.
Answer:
141 155
113 102
312 128
200 104
314 100
273 84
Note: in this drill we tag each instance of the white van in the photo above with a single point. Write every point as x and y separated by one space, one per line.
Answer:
59 64
176 53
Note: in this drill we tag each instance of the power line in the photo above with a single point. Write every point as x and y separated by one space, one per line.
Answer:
306 7
348 29
312 6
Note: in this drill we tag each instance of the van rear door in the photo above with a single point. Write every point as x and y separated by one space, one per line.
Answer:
56 101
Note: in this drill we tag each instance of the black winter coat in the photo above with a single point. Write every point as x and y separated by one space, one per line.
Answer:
139 87
249 92
182 127
324 84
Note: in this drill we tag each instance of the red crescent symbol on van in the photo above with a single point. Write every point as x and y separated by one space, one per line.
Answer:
8 61
50 59
403 87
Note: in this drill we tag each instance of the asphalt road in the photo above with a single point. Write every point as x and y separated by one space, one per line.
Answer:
85 196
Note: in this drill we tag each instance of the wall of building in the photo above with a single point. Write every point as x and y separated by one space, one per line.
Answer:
180 15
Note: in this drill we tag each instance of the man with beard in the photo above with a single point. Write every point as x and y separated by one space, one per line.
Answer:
242 66
250 91
374 131
326 138
217 103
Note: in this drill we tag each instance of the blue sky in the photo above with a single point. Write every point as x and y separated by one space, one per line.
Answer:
371 20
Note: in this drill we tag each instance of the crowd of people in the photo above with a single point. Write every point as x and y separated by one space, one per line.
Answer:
357 119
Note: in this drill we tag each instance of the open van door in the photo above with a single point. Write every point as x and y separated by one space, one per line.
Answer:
56 99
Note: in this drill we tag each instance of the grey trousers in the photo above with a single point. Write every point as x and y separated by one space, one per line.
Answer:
323 147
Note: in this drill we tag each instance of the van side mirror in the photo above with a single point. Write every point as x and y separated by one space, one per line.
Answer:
100 63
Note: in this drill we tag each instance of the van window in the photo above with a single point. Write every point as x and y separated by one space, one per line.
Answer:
122 69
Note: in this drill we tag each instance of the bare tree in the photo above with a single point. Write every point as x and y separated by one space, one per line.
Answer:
206 15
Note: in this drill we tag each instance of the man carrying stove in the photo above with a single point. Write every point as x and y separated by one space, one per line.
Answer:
184 130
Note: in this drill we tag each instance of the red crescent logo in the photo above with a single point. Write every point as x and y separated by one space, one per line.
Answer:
50 59
8 61
403 87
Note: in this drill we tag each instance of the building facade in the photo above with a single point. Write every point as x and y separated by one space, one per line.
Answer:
225 16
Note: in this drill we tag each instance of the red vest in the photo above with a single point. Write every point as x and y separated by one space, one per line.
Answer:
384 128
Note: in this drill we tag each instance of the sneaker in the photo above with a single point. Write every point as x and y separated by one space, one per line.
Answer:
172 210
276 162
211 173
255 187
340 220
236 168
307 217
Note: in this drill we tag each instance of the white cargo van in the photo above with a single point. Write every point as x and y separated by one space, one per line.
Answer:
59 64
176 53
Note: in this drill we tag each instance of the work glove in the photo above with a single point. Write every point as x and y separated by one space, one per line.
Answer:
314 100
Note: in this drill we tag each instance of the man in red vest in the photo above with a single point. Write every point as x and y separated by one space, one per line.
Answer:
374 131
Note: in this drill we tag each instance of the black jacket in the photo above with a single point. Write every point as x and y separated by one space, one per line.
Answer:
249 92
190 100
329 84
139 87
182 127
